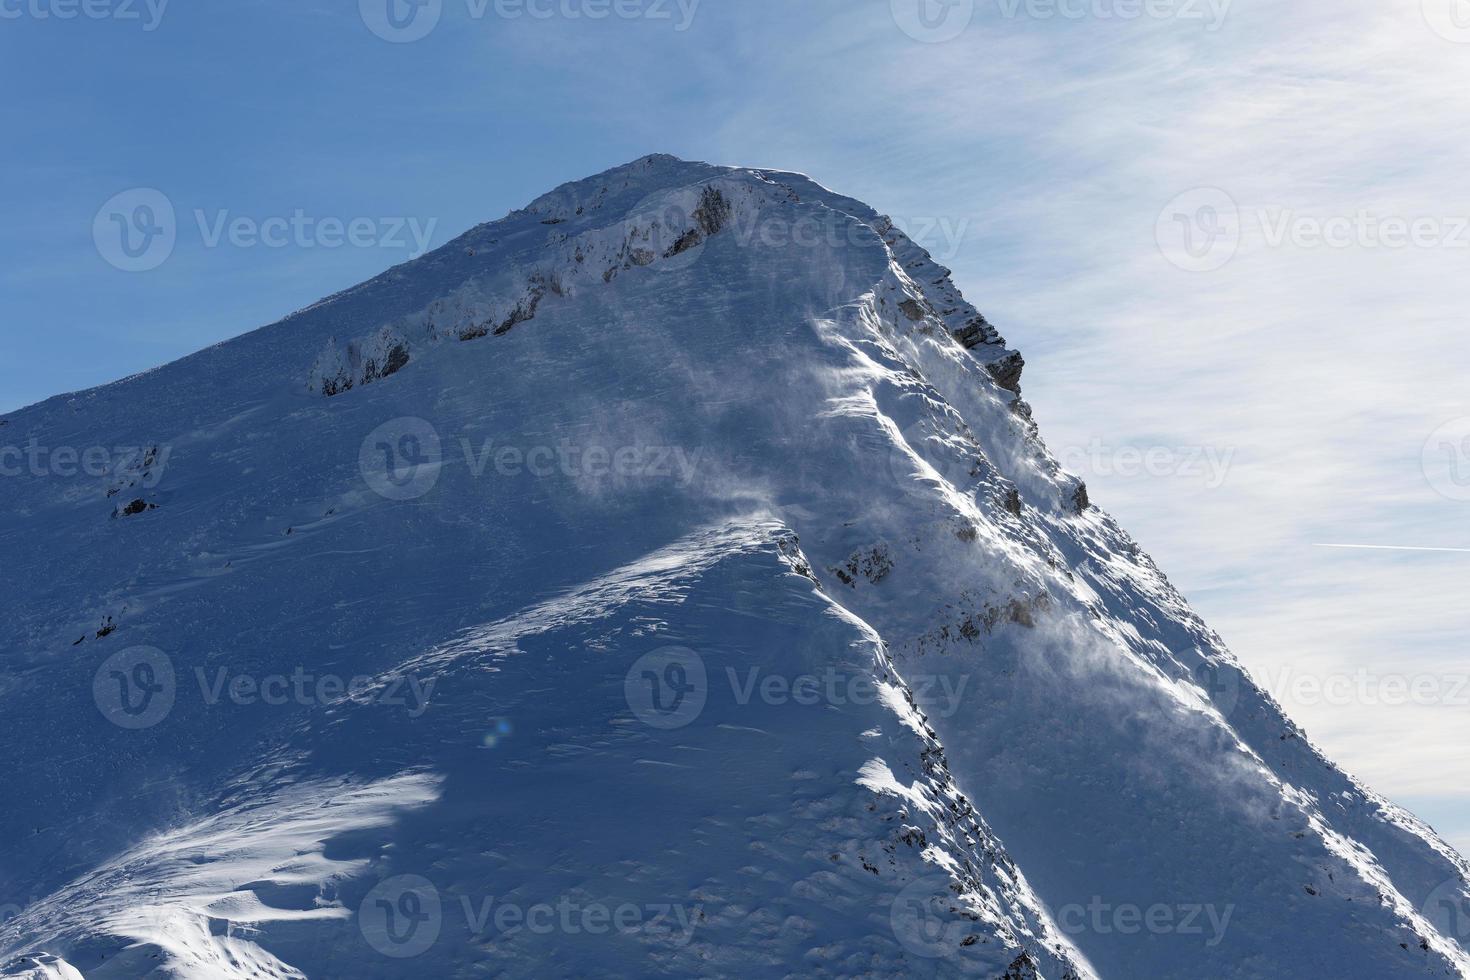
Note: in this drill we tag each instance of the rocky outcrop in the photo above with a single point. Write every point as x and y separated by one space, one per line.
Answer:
340 368
1006 370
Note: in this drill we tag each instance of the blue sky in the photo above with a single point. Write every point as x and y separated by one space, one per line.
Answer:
1230 237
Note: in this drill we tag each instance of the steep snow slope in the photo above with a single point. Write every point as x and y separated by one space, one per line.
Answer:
709 572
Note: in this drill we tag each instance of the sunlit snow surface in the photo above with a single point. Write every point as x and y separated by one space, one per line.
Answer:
831 675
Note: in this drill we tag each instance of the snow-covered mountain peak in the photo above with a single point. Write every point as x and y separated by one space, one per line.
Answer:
678 544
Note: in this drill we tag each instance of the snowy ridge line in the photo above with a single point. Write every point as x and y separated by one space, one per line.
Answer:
981 882
983 879
660 576
669 224
932 283
664 231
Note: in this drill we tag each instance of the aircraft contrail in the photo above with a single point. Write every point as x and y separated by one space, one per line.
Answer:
1390 547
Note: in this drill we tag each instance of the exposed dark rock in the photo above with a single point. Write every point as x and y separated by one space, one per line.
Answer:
873 564
1022 968
520 314
686 241
790 548
976 331
912 309
1007 371
1080 501
526 309
977 619
713 212
476 332
396 358
133 508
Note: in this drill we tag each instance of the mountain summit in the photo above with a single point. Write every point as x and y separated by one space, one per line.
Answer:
667 579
